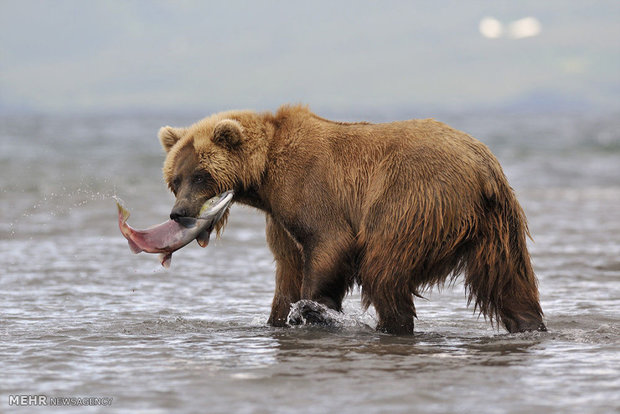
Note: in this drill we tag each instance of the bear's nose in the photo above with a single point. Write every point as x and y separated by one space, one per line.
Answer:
177 213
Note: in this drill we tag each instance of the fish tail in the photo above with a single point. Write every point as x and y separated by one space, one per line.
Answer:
123 213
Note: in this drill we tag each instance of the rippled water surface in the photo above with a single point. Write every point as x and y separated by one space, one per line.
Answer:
82 316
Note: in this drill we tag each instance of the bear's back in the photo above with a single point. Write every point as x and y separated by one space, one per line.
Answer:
424 141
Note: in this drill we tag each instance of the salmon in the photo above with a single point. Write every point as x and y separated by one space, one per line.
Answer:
170 236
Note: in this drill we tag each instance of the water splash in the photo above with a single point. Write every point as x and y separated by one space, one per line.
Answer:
310 313
56 210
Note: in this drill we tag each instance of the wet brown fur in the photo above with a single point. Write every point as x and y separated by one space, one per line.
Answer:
396 207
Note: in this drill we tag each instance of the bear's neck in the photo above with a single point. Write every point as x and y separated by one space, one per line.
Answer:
251 197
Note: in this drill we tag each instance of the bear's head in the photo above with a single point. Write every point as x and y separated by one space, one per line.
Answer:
226 151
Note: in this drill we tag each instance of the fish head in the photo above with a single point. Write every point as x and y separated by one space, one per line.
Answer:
215 207
211 214
212 211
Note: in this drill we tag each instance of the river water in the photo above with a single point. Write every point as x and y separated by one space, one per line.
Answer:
81 316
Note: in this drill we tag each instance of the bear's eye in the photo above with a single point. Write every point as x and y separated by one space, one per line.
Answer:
198 179
176 183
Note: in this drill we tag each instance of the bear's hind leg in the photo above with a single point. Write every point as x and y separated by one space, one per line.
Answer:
396 321
504 288
389 292
522 317
499 274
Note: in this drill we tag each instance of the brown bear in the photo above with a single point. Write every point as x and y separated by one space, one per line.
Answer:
395 208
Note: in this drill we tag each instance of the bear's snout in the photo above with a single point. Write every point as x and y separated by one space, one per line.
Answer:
178 212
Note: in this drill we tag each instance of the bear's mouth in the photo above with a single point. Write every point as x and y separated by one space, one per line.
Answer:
215 212
186 222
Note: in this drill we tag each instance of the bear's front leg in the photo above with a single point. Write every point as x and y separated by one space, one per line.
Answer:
329 269
289 265
288 281
328 272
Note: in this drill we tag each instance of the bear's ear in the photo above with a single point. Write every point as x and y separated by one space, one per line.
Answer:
228 133
168 136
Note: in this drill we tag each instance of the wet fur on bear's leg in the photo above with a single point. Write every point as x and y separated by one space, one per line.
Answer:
385 285
329 266
289 272
395 311
498 273
321 280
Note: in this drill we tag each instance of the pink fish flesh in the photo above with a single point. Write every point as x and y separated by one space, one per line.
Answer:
170 236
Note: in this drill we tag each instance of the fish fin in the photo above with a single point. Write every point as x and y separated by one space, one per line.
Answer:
122 211
134 247
165 259
203 238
